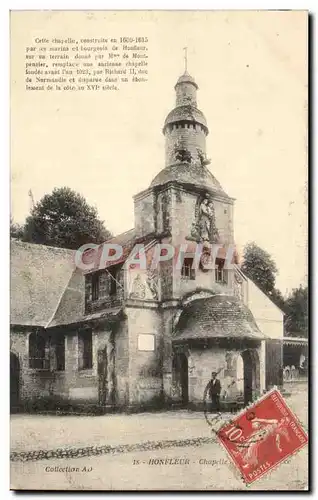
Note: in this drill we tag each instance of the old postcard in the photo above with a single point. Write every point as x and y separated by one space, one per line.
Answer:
159 325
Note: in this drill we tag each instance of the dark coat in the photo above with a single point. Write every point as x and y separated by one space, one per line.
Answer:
214 388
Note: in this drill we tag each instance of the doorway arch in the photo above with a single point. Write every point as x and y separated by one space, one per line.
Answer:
251 374
14 382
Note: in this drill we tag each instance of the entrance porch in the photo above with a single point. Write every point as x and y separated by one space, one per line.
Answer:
237 364
218 334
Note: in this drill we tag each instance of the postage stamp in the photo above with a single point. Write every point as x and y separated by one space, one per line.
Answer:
262 436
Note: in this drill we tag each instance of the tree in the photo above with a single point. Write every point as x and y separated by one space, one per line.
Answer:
64 219
296 320
277 297
259 266
16 230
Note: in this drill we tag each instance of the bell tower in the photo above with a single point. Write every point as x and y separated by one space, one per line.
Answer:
185 202
185 128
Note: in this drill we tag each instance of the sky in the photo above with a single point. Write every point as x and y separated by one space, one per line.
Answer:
251 68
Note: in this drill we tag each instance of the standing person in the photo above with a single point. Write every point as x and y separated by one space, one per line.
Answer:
214 388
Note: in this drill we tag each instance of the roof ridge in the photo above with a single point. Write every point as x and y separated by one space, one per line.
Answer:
120 234
40 245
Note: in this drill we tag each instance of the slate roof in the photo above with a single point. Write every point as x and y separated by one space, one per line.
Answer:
47 289
123 238
186 78
219 316
39 277
71 306
186 173
126 240
186 113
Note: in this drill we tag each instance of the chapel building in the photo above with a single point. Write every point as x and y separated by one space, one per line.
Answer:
122 337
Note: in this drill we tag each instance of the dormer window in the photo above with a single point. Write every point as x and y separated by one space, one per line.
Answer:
104 283
220 272
186 271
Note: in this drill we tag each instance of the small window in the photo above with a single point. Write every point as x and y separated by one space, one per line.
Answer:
95 286
103 285
220 272
37 352
187 272
60 352
85 350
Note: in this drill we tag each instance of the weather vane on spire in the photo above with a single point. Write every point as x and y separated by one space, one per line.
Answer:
185 58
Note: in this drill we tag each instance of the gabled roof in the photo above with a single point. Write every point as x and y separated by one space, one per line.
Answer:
219 316
39 277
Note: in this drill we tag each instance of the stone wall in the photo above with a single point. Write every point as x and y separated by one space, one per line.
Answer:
201 363
186 94
188 135
32 383
145 213
169 314
203 279
122 356
145 356
71 385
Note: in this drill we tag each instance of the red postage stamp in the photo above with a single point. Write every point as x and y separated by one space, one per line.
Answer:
262 436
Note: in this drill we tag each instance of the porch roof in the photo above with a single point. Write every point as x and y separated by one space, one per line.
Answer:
219 316
295 341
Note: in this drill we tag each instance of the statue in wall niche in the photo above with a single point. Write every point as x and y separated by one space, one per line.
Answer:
229 361
138 289
204 228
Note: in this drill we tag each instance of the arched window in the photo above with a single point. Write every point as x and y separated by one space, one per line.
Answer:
37 359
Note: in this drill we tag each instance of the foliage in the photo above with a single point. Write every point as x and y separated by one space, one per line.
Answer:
296 321
16 230
277 297
64 219
259 266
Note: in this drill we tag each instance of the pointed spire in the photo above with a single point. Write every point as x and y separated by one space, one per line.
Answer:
185 59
